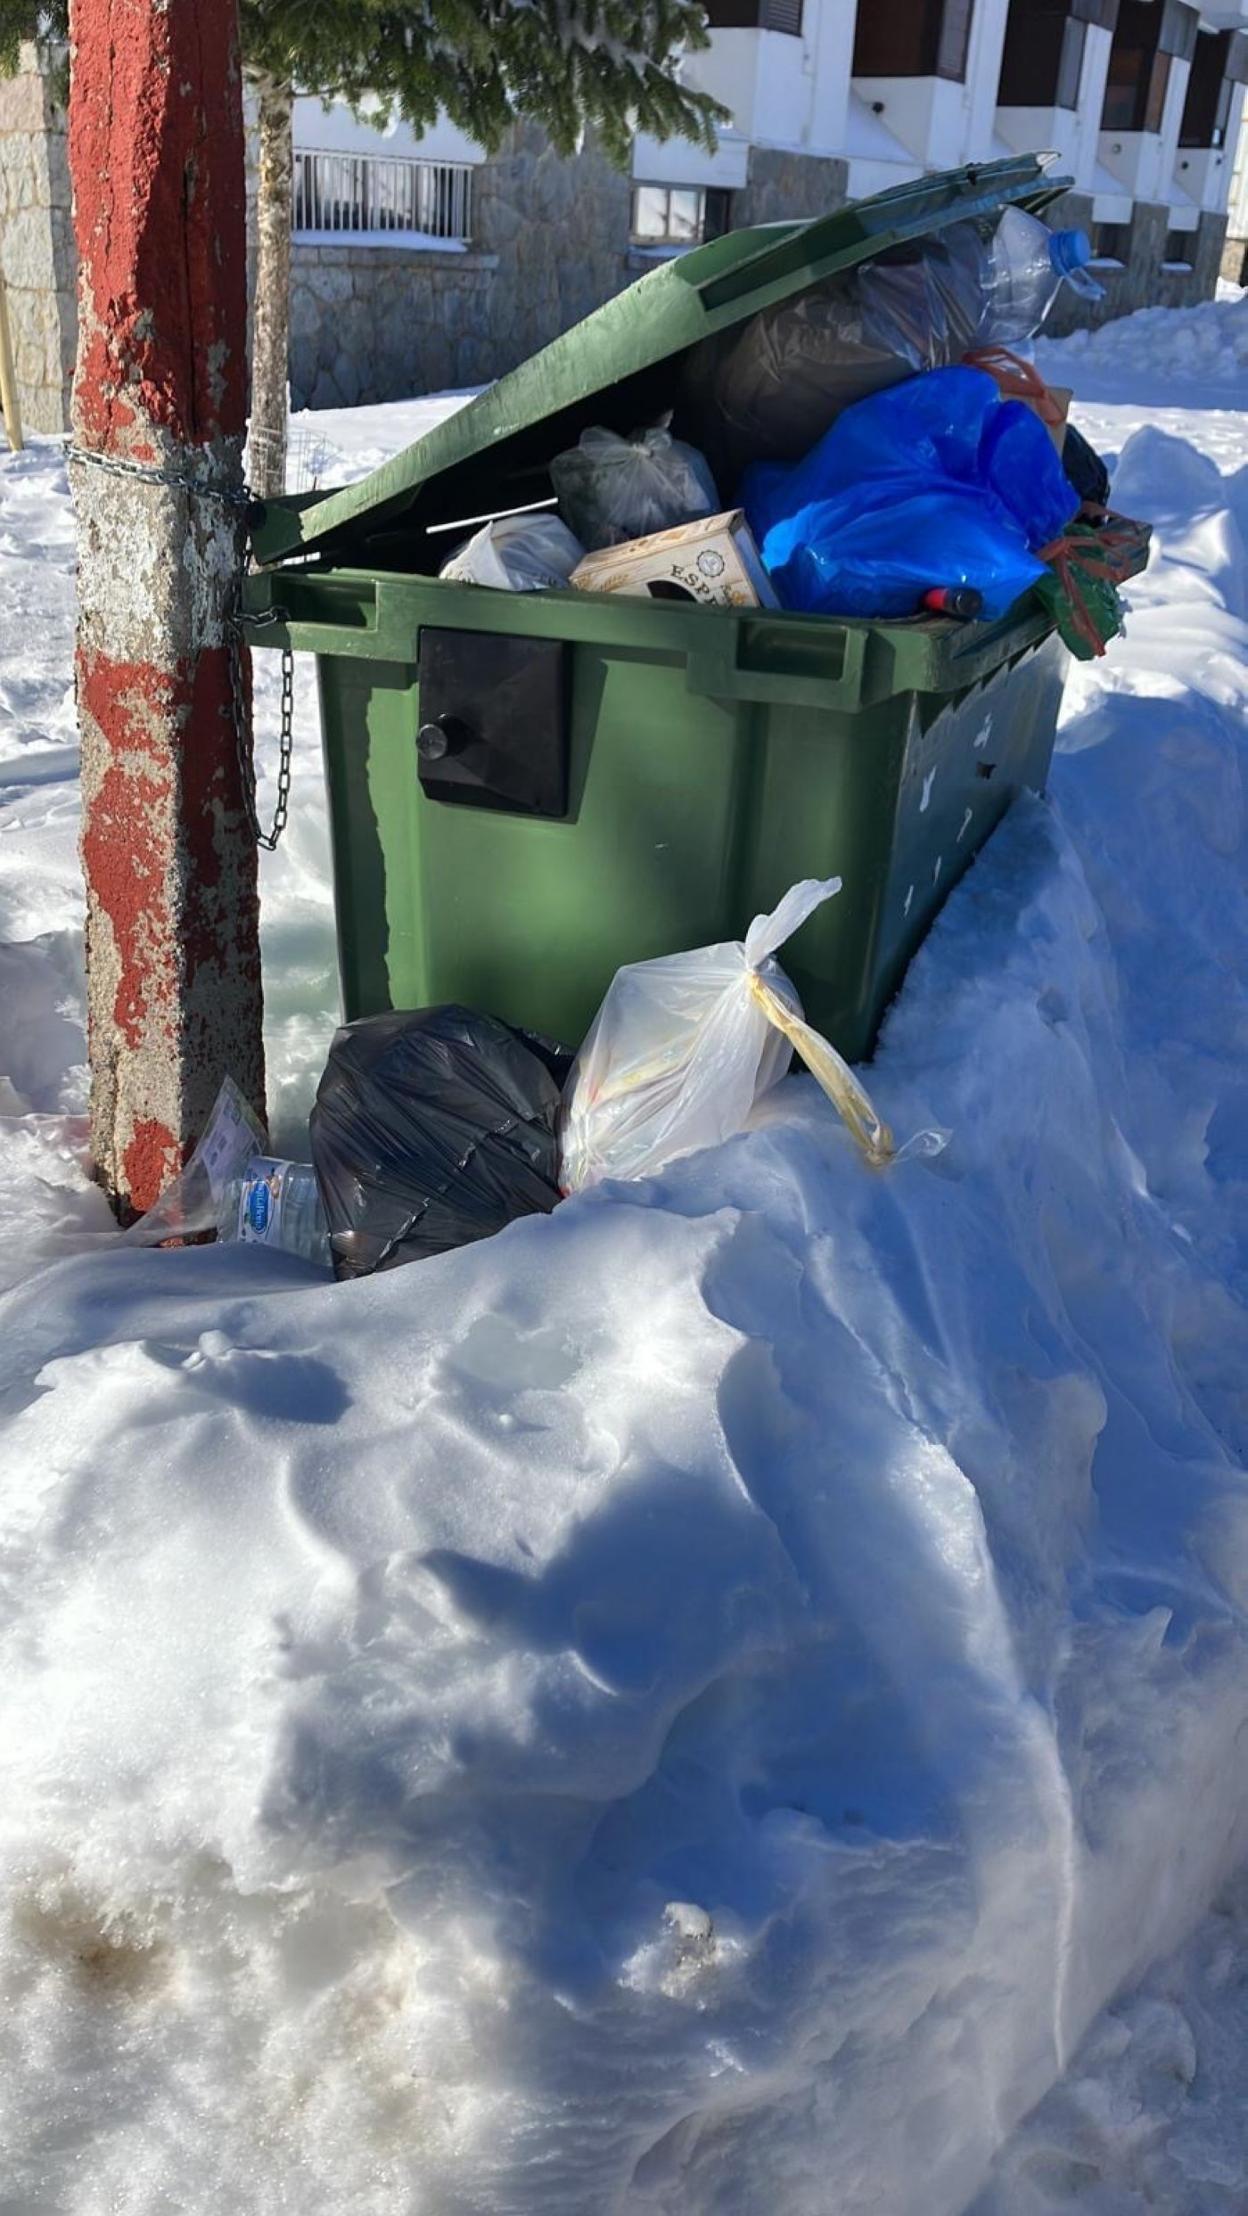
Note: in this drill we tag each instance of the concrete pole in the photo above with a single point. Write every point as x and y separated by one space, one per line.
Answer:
172 941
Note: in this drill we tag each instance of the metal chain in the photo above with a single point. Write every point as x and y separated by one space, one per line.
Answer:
232 496
236 623
285 743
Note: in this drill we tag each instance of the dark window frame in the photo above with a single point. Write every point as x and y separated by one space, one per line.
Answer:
1043 55
913 38
1207 106
1177 248
1151 35
784 16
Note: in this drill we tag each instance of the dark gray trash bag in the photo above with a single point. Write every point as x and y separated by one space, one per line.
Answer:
433 1128
769 389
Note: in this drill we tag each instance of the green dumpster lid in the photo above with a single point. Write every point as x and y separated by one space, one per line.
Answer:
615 367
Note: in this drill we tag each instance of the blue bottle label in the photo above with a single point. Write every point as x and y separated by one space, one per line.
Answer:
260 1203
258 1207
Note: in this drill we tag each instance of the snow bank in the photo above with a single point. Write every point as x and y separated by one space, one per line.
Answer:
695 1705
1207 344
1151 2113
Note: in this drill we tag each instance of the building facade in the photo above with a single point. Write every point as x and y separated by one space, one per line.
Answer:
421 263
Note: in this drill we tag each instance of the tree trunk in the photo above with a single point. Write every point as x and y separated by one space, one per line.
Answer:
172 941
271 328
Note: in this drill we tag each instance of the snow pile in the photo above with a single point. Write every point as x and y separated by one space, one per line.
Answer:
1208 343
1151 2114
696 1704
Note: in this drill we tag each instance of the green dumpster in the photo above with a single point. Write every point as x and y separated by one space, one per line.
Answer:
528 790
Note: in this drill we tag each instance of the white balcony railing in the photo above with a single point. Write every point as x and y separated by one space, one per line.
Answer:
345 195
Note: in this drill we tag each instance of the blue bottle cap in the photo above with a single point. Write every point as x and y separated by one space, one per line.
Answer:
1069 250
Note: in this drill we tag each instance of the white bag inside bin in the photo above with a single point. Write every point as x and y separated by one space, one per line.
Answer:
682 1047
521 553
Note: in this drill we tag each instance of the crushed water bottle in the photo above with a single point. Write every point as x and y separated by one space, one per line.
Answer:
1027 265
275 1203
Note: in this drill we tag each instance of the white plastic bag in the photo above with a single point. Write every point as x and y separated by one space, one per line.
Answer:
529 553
682 1047
613 489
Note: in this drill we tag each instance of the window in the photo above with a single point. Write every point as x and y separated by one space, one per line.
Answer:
1177 251
1219 63
1150 34
1042 61
912 38
680 215
755 15
1208 92
1111 242
374 193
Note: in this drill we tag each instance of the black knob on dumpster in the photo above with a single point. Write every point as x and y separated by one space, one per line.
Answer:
446 735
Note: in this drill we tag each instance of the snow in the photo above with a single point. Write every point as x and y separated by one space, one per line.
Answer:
727 1696
422 242
1155 351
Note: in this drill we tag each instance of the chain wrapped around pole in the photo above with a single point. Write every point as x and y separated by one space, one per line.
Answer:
233 496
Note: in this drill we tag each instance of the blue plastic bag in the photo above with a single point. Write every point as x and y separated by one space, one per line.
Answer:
937 481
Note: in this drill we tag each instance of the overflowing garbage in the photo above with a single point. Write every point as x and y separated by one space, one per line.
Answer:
875 445
684 1046
612 489
936 482
436 1127
432 1129
769 391
524 553
715 561
893 452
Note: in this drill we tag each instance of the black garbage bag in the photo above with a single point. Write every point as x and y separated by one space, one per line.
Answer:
433 1128
1084 468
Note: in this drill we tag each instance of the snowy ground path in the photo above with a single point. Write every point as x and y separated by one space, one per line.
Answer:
698 1705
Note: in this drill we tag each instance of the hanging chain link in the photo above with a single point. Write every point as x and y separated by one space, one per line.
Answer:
236 623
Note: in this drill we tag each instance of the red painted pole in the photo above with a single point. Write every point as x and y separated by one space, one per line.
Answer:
172 940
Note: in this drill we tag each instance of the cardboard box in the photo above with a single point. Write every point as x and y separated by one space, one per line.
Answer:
713 560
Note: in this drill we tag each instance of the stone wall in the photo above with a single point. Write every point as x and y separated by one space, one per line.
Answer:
780 186
37 245
383 322
560 231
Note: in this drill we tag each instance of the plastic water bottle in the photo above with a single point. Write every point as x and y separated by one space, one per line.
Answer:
276 1204
1027 266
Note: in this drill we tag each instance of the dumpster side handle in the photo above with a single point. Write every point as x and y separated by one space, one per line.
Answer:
735 667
